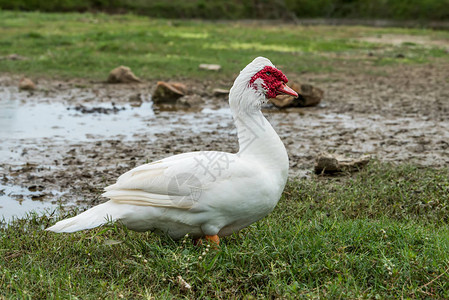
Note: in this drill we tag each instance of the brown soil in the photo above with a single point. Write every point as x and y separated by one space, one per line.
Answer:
401 116
399 39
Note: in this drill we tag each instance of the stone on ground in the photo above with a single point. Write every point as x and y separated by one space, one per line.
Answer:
309 95
220 92
327 163
190 101
168 92
26 84
122 74
210 67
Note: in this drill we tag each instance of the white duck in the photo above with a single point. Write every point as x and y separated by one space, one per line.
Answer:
205 194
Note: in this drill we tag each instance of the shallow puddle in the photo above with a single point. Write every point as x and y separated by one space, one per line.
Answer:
27 126
31 124
17 202
56 120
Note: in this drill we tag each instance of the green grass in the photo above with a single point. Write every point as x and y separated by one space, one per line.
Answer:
380 233
90 45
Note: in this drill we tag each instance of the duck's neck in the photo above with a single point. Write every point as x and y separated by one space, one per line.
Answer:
258 140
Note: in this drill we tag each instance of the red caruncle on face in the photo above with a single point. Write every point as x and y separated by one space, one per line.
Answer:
272 79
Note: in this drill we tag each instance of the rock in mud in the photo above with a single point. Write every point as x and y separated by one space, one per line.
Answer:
282 101
220 92
27 84
327 163
180 87
122 74
190 101
168 93
210 67
309 95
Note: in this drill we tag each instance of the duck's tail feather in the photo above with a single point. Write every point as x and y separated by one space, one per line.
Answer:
94 217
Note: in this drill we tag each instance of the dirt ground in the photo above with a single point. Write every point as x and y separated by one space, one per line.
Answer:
401 116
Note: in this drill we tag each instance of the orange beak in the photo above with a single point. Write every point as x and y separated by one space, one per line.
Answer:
285 89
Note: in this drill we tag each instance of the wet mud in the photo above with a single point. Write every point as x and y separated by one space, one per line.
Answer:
63 143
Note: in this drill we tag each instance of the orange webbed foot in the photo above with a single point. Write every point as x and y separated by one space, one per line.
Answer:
213 239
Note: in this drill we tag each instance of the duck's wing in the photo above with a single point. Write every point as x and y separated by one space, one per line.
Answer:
175 182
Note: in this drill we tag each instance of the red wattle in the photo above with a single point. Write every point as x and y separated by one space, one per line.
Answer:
271 81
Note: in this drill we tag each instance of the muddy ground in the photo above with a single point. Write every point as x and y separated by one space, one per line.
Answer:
65 141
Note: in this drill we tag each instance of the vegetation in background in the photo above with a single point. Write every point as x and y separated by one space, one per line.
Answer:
90 45
381 233
249 9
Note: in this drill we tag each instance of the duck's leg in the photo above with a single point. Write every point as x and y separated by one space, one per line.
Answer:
214 239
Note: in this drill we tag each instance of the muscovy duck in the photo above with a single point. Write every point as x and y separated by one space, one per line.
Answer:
206 194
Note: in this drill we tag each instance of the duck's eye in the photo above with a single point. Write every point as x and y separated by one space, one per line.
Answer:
268 73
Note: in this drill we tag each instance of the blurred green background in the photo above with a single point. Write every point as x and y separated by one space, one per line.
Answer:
435 10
